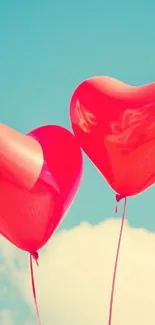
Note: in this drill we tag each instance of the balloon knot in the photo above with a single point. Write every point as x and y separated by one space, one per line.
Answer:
119 197
35 257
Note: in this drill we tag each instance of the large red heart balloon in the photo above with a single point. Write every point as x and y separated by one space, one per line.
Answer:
29 217
115 125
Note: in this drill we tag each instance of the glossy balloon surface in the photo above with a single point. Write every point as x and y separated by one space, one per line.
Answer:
115 125
29 217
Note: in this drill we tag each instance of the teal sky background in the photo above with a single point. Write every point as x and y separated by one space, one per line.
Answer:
46 49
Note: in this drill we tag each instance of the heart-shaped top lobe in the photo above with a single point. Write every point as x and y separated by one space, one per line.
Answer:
115 125
28 218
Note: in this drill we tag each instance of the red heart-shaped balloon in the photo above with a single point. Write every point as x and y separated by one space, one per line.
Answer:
115 125
29 217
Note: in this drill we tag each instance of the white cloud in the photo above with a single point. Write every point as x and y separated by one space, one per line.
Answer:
6 317
74 278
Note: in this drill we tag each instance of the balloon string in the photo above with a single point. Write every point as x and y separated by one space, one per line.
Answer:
116 264
35 257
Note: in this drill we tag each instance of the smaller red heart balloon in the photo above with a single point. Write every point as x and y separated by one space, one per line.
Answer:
115 126
28 217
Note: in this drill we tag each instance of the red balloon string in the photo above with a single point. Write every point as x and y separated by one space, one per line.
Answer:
34 256
116 209
116 261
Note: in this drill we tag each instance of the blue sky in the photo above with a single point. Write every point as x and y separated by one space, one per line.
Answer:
46 49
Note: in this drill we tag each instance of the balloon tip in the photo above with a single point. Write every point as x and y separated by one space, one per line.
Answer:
35 257
119 197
